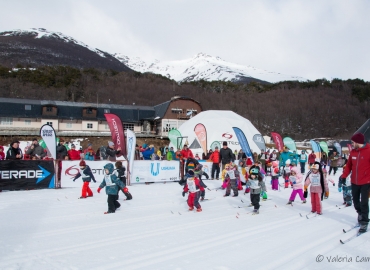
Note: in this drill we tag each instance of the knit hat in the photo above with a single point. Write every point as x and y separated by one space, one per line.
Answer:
82 163
358 138
110 143
224 143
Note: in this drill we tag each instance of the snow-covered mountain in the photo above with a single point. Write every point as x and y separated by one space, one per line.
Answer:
204 67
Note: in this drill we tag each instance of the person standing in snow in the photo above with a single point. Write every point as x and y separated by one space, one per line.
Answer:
359 164
334 158
226 155
120 173
286 173
232 176
319 185
311 159
302 161
216 159
296 180
112 185
345 185
87 176
194 188
257 186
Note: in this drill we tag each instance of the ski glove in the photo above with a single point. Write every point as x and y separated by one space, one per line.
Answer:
94 181
342 180
294 183
340 189
305 193
99 190
183 193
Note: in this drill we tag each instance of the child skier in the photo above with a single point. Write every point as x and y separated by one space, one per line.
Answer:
87 175
319 185
112 186
194 188
296 179
120 173
256 184
198 172
223 175
347 189
231 177
286 173
275 175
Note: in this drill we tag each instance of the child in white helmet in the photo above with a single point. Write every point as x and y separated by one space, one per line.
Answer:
286 173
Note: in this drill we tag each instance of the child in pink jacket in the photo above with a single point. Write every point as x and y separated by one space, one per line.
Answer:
296 179
319 185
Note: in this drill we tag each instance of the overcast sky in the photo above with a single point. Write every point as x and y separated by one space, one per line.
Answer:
312 38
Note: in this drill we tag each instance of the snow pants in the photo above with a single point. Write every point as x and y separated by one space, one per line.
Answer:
316 202
294 194
360 194
113 203
193 199
275 183
215 168
334 169
255 200
347 195
86 191
286 177
232 185
303 164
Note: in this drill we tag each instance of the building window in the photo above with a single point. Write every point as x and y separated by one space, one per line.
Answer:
89 125
106 111
49 123
89 111
176 110
27 107
106 126
27 122
6 121
49 109
68 125
128 126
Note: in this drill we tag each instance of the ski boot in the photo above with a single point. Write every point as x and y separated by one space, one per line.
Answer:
304 201
199 210
290 202
255 212
191 208
363 227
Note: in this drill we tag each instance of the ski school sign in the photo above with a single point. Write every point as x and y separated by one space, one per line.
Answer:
155 171
26 174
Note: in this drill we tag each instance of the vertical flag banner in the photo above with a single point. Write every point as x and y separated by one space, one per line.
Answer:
259 141
201 132
320 151
173 134
316 148
277 140
243 142
289 142
339 148
47 133
214 144
324 147
131 143
116 129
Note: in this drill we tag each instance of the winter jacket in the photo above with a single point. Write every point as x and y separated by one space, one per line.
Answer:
311 158
147 153
284 156
112 153
89 154
36 151
74 154
318 182
232 174
86 174
112 184
215 157
297 178
226 155
359 164
120 173
193 185
61 151
255 185
185 154
13 152
273 156
303 158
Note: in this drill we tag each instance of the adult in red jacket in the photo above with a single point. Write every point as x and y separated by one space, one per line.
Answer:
359 164
185 154
311 159
73 153
215 157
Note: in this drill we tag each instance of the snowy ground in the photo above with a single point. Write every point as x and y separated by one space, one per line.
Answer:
52 229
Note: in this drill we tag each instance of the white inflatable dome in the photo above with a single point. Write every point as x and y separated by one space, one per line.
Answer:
219 126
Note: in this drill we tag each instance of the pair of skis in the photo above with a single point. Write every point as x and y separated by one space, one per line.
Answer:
353 236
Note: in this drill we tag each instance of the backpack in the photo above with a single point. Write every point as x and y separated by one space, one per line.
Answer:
103 153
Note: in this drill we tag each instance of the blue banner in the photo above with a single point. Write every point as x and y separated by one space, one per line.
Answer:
243 142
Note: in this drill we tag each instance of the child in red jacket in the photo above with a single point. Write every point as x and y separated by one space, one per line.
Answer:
194 188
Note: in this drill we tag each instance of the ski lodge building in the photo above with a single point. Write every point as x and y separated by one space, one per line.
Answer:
26 116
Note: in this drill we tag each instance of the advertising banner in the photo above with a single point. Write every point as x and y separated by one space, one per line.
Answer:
289 142
116 129
26 174
260 141
131 143
70 169
155 171
47 133
243 142
201 133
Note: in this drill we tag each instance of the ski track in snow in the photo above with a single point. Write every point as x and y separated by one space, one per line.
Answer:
52 229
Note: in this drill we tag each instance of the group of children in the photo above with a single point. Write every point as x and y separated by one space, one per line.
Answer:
316 181
114 181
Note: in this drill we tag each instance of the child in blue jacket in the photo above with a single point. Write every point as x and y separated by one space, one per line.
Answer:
112 186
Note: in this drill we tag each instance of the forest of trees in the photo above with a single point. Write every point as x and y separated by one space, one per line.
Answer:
301 110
